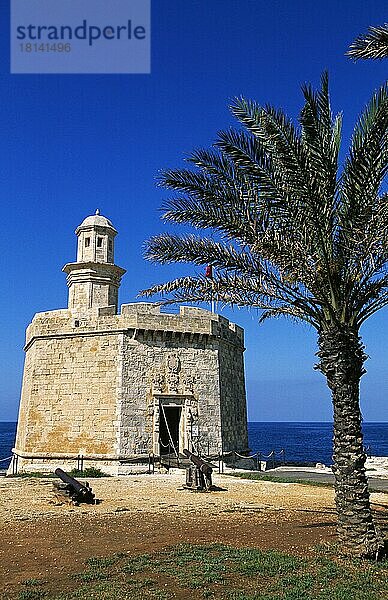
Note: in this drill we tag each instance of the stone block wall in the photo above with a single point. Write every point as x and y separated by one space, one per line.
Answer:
147 381
69 396
232 398
95 384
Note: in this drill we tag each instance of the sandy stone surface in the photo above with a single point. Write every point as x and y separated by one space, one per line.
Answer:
143 513
29 498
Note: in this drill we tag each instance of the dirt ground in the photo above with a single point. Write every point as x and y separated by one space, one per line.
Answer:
140 513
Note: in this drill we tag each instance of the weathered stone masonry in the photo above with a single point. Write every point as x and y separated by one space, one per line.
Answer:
115 387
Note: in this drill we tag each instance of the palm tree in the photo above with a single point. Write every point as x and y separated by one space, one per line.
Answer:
373 44
290 236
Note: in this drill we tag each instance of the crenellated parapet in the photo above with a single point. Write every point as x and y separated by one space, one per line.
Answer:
143 321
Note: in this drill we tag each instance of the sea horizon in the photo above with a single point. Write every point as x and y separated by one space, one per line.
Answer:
297 442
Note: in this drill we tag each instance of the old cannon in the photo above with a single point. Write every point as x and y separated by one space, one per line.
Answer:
199 474
76 491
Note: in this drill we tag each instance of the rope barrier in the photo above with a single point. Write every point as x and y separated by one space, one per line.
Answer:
241 456
195 444
256 455
4 459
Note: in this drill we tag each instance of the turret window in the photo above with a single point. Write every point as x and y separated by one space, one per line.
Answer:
99 242
110 245
87 242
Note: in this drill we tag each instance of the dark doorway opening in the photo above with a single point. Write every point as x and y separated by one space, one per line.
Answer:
171 414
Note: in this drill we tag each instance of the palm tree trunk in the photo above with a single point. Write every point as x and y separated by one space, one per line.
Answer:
341 354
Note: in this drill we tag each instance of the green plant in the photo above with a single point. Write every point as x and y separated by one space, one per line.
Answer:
372 45
295 234
32 595
222 572
90 472
280 479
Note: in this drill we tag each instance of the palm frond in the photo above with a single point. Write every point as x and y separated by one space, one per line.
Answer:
234 290
321 136
372 45
279 139
365 168
294 237
166 248
290 162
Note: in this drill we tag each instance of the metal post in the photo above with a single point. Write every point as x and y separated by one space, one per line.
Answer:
80 462
169 456
15 464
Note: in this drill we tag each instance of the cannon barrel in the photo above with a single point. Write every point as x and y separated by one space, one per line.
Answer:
79 491
205 468
78 487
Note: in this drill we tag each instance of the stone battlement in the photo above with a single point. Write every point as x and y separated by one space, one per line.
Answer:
139 316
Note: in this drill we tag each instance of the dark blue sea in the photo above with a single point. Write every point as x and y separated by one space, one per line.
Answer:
311 442
7 442
301 442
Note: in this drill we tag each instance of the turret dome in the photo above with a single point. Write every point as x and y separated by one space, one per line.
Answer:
96 220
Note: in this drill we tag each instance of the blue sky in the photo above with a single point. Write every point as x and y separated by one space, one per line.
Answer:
72 143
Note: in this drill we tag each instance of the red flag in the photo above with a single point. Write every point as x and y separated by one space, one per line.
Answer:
209 271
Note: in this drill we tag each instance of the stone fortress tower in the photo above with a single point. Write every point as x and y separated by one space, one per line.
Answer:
109 389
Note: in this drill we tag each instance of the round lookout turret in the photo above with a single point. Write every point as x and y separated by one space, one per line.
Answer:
94 280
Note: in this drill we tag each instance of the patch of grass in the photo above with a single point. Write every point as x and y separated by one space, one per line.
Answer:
200 572
241 595
136 564
271 563
88 576
274 479
161 595
98 568
32 595
33 581
91 472
258 476
101 562
329 571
